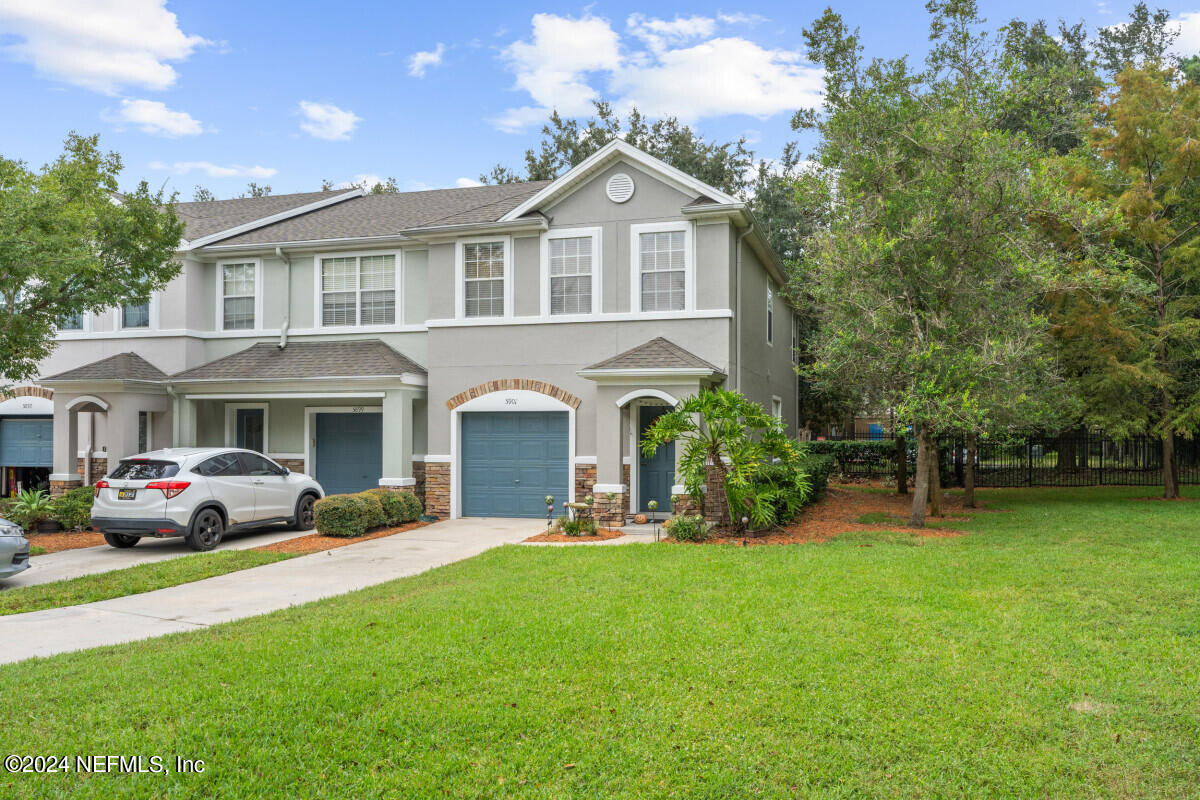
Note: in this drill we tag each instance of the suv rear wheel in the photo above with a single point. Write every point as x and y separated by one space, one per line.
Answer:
121 540
207 530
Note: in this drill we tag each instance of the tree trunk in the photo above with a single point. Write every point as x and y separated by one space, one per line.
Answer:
935 479
1170 469
969 472
901 466
921 487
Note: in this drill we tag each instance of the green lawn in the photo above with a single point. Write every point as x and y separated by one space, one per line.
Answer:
132 580
1054 652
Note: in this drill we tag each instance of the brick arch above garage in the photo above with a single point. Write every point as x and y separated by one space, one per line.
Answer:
508 384
28 391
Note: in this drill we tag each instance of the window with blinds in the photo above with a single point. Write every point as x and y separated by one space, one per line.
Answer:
571 275
358 290
237 296
136 316
663 271
483 279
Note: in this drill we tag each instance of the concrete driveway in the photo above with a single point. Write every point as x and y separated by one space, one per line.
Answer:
89 560
250 592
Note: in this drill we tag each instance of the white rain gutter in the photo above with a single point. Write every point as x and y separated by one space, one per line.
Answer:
287 295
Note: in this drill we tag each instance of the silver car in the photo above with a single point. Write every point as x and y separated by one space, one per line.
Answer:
200 494
14 549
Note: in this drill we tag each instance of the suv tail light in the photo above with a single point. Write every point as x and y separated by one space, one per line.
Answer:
97 486
169 488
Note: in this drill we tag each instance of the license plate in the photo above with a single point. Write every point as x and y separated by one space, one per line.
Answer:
126 494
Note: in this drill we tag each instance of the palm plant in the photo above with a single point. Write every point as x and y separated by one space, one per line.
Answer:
31 507
722 431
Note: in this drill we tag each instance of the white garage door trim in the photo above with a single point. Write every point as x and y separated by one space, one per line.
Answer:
505 400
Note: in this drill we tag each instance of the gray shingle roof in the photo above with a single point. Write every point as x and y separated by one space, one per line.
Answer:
265 361
121 367
658 353
389 214
213 216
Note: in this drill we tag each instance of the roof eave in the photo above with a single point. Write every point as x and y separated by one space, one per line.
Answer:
404 377
280 216
651 372
436 232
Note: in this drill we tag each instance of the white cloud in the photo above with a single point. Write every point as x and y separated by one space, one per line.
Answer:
98 45
467 183
215 170
155 118
327 121
664 67
553 65
1188 43
422 60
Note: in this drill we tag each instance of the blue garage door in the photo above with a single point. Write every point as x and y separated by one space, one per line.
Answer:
26 442
511 460
349 452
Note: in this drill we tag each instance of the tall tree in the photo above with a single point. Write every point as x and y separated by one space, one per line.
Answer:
255 190
203 195
1145 39
70 243
1142 344
930 274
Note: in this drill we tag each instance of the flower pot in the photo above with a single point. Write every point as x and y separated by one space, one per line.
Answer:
48 526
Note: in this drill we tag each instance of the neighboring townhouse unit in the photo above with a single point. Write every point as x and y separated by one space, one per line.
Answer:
484 346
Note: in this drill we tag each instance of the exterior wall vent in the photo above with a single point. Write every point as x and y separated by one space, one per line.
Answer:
619 188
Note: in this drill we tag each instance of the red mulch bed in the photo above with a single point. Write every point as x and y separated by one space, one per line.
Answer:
65 540
600 535
838 511
315 542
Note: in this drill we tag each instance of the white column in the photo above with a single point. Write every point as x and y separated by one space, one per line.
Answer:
398 438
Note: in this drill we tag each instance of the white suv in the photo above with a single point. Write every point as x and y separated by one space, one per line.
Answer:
200 494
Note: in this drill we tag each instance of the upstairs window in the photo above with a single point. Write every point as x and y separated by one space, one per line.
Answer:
770 315
72 322
571 275
136 316
483 279
358 290
238 296
662 261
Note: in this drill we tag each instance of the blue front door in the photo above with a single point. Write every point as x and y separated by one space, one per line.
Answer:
349 452
511 460
656 474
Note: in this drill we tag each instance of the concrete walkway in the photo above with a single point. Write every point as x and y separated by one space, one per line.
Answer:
69 564
251 592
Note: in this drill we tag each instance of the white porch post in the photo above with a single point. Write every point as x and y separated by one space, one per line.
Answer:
183 422
398 438
66 443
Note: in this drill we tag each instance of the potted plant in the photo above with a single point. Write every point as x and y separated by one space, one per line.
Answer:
35 509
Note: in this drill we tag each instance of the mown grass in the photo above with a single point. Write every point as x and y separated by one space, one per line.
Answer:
131 580
1053 652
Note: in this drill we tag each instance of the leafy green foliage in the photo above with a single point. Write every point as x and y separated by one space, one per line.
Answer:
73 510
355 514
816 468
70 244
1145 39
687 528
785 487
411 508
30 507
390 502
721 430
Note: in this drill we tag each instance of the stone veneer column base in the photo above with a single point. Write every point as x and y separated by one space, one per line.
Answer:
437 489
608 513
99 468
715 508
60 487
293 464
418 470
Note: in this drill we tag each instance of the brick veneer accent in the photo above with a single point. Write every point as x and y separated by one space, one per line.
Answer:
585 479
715 507
62 487
28 391
418 470
611 514
505 384
293 464
437 489
99 468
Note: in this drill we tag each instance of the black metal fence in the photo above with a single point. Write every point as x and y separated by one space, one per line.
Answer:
1076 458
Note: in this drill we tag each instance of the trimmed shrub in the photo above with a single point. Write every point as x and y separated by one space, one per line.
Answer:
373 513
818 468
341 515
412 508
687 528
393 506
73 510
784 488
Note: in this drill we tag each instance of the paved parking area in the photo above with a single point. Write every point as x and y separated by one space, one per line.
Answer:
251 592
69 564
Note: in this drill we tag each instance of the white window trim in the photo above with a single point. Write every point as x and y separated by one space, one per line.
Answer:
777 402
596 235
85 326
689 261
149 430
117 317
770 311
310 430
219 319
357 327
460 292
231 410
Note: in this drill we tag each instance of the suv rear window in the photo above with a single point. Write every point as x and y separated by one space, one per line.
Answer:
145 470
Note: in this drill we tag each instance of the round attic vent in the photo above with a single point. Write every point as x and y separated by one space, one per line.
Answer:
619 188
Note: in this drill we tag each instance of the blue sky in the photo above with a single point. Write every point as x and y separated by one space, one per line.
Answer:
220 93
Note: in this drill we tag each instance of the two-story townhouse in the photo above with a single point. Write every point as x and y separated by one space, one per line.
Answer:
485 346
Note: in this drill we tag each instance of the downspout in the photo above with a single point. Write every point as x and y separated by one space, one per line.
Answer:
737 314
287 295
